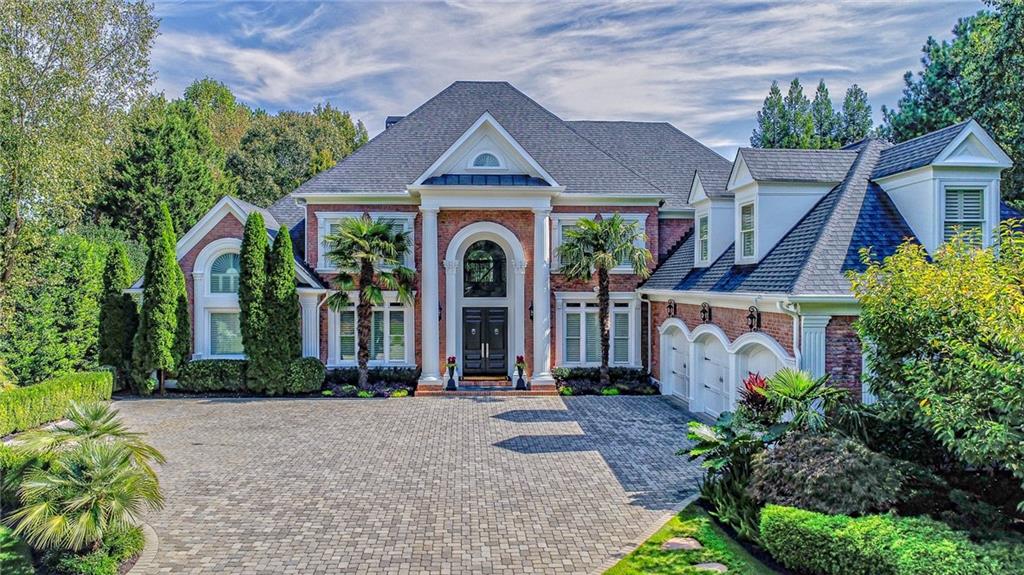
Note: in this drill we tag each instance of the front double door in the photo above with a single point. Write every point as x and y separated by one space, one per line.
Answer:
485 341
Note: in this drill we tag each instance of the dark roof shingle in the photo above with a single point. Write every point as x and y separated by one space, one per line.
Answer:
916 152
775 165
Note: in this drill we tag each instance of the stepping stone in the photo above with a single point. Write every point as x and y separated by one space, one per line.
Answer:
681 543
713 567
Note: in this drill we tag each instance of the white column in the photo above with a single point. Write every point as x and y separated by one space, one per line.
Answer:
812 343
200 332
451 313
431 336
518 317
542 297
310 324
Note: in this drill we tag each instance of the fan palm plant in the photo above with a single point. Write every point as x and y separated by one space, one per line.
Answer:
84 494
600 245
369 255
92 422
806 399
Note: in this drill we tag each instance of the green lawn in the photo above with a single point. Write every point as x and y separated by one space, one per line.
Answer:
691 522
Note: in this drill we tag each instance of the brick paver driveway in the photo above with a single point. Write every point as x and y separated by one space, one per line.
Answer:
453 485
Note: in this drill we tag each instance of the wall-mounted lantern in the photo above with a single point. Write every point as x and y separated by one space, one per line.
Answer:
440 312
753 318
705 312
531 312
671 308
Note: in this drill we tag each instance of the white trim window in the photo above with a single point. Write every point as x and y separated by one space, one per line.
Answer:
964 213
486 160
329 223
391 336
703 239
580 342
560 223
226 333
747 236
224 273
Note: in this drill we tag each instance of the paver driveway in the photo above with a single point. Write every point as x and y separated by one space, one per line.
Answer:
453 485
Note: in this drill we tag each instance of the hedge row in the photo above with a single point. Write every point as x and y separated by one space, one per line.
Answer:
587 381
27 407
809 542
304 375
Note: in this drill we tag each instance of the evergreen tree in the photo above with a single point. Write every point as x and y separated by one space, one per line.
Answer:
281 305
770 129
826 120
251 289
158 322
856 116
183 333
119 316
798 122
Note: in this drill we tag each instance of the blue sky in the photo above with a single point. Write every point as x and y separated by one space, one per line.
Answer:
704 66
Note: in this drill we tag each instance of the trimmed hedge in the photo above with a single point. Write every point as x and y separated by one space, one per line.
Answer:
206 375
818 544
27 407
305 375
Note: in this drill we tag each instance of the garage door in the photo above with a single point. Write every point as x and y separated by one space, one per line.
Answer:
714 376
676 379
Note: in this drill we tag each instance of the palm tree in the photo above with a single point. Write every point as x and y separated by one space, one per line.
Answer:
807 400
84 494
601 245
369 255
92 422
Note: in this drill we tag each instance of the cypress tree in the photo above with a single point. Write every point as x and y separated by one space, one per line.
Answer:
119 316
251 288
798 122
158 322
825 119
856 118
770 128
281 305
183 333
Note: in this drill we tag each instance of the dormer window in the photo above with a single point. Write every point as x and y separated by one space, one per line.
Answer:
747 230
702 238
964 214
486 160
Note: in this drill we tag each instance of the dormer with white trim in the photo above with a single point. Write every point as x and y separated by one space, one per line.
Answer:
774 189
713 220
945 181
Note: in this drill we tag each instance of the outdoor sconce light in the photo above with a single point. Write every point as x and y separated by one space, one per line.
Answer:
671 308
705 312
531 312
440 312
753 318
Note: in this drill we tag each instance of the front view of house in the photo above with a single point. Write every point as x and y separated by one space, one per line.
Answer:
749 262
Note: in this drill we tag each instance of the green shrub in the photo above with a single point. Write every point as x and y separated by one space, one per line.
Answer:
387 376
35 405
565 390
809 542
327 393
15 556
348 390
610 391
211 375
305 375
365 394
125 544
587 380
400 393
13 464
827 474
95 563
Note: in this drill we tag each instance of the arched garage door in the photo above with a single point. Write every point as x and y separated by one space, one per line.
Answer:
675 359
760 354
712 375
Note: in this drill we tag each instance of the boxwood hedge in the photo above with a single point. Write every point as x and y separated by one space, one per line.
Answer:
34 405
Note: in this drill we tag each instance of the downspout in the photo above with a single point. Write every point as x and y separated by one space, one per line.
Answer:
650 332
793 310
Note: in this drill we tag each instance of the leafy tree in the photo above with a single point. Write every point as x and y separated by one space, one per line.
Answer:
601 245
771 121
856 116
281 303
798 120
976 75
119 316
825 119
369 255
67 71
945 333
226 117
252 281
157 338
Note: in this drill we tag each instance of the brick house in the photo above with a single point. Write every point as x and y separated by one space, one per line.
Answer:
750 255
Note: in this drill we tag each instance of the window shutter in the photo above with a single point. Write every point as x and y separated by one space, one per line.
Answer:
347 329
620 328
747 230
225 334
572 338
377 336
593 338
703 238
964 212
396 333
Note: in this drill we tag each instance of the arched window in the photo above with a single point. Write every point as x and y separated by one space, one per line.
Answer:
224 274
484 270
486 160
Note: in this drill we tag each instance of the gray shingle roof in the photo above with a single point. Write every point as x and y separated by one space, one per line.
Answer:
400 154
715 182
798 165
917 152
659 152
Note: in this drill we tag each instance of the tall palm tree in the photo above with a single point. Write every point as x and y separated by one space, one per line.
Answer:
600 245
369 255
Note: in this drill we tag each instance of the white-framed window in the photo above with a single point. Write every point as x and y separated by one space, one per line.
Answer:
226 334
703 242
580 342
561 223
964 212
224 273
747 230
486 160
329 223
391 335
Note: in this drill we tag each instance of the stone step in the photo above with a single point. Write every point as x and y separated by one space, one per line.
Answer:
505 390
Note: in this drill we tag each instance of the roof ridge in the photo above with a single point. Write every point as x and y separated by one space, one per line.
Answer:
933 132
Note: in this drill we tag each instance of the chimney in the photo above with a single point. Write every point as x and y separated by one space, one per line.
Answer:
391 121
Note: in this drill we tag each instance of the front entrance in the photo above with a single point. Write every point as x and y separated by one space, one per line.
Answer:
485 341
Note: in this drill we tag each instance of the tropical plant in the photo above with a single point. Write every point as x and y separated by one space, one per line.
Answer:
369 255
753 401
805 399
601 245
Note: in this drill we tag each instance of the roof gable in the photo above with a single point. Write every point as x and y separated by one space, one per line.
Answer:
785 165
227 205
974 147
740 174
697 193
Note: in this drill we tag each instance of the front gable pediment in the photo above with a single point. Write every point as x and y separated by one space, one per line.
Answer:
973 147
740 174
697 193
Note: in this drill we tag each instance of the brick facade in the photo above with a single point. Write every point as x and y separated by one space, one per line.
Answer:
843 361
670 233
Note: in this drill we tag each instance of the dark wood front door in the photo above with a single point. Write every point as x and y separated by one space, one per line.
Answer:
485 341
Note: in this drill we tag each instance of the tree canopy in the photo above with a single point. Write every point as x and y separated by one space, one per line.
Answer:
793 121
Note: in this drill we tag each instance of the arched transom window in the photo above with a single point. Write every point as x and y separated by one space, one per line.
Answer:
486 160
224 274
484 270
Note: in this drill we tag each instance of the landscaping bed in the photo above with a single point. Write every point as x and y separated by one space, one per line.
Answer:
587 381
